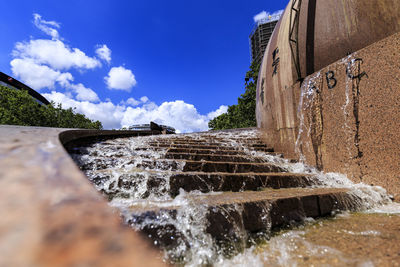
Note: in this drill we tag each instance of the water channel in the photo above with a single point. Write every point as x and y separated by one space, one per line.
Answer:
129 173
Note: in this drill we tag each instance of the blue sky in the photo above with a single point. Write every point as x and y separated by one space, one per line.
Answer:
175 62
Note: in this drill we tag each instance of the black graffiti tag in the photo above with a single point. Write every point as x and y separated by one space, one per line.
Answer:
359 74
275 62
262 91
330 79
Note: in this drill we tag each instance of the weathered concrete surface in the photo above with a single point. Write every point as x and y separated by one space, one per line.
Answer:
51 214
344 117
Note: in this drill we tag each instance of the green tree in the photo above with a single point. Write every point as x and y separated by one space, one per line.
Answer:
243 114
17 107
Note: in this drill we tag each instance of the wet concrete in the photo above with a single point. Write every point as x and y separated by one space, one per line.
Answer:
358 239
249 211
202 207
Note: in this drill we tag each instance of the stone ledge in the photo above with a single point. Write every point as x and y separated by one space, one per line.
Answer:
51 214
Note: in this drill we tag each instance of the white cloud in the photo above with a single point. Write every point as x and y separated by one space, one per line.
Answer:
109 114
38 76
260 16
55 54
120 78
263 15
41 76
144 99
83 93
46 26
130 102
39 62
43 63
221 110
104 53
182 116
178 114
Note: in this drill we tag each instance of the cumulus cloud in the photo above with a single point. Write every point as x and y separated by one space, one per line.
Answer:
130 102
55 54
264 15
41 63
104 53
48 27
182 116
38 76
44 63
144 99
120 78
133 102
109 114
221 110
83 93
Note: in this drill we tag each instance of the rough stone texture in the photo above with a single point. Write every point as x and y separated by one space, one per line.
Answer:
52 215
351 128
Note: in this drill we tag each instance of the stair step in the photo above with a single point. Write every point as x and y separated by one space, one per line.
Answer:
207 142
235 182
223 144
216 147
208 166
214 157
215 151
206 151
231 167
250 211
127 183
210 140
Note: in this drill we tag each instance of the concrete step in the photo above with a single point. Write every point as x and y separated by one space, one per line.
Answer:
214 157
204 143
208 166
235 182
203 182
206 151
216 147
210 140
216 151
250 211
231 167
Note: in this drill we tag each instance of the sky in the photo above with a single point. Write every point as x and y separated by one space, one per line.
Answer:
124 62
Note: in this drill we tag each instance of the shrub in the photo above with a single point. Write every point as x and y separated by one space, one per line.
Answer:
17 107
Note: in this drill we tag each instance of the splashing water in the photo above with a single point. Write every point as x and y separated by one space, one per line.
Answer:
131 172
307 93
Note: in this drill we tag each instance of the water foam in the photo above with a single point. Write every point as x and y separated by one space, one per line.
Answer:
118 169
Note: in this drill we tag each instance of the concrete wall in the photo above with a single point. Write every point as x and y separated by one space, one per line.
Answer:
344 118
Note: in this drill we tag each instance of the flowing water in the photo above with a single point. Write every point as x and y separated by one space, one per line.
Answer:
129 173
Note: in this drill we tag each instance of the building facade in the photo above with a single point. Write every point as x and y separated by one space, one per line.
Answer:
260 36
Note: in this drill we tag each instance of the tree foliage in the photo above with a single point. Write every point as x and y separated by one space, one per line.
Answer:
17 107
243 114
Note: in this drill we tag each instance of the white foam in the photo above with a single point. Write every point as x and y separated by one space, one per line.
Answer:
123 159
